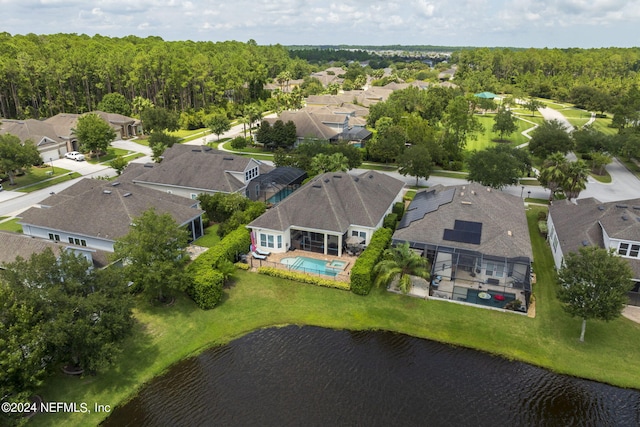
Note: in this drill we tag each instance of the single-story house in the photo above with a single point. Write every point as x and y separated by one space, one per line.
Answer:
16 245
189 170
326 211
94 213
50 145
476 239
587 222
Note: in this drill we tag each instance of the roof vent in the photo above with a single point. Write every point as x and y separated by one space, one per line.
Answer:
622 206
126 194
488 189
317 186
585 243
326 180
356 179
115 184
509 233
461 193
600 208
473 192
196 150
106 191
636 208
206 148
148 165
227 158
464 202
625 218
337 176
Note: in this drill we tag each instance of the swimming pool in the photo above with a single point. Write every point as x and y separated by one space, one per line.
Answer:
312 265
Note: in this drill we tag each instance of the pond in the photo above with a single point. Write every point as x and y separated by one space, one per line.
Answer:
314 376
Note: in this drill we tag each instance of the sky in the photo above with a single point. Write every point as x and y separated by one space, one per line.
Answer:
481 23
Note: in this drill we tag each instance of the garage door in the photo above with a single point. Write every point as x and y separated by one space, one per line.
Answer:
50 154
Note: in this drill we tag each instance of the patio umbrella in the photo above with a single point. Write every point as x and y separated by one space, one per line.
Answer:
486 95
354 240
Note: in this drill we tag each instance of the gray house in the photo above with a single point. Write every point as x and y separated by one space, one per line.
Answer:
326 211
476 239
94 213
188 170
588 222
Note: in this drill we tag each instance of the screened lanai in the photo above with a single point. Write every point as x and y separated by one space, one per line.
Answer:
274 186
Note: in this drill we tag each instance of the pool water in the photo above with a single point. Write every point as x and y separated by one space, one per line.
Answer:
312 265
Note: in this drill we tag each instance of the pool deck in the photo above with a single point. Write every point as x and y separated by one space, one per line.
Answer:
274 260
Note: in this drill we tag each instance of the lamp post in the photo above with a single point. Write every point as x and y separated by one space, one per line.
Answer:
529 194
522 192
53 171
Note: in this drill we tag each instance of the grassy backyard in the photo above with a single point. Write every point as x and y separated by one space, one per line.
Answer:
164 335
11 225
210 237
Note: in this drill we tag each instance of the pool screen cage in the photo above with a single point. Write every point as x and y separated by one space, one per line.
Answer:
274 186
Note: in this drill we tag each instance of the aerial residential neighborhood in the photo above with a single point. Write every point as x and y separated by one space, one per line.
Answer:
385 193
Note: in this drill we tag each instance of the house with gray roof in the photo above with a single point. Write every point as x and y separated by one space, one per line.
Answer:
16 245
50 144
188 170
94 213
326 211
476 239
587 222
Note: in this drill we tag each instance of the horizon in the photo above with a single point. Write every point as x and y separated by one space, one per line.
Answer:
564 24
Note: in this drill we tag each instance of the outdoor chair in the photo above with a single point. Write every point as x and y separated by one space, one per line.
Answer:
258 256
263 253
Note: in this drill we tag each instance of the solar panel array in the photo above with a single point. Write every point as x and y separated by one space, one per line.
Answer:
464 232
423 203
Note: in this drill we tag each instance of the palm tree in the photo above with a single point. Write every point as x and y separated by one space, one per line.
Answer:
552 173
403 262
577 174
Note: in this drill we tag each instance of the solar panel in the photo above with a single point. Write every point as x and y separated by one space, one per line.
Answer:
464 232
423 203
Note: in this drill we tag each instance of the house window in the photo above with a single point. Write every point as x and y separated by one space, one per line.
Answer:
362 234
635 249
270 241
279 242
77 242
250 174
194 196
71 240
83 242
622 250
263 240
55 237
555 243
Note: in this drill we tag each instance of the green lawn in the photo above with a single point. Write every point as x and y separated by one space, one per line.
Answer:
488 138
11 225
34 175
112 153
210 237
49 183
164 335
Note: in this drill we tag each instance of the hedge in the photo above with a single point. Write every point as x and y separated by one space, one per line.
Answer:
206 288
206 282
303 278
362 276
390 221
398 209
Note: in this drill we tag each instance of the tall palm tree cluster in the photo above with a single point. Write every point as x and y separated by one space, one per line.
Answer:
400 262
558 174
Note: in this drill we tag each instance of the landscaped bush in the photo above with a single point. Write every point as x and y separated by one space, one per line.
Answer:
303 278
390 221
230 247
362 276
206 288
398 209
542 216
238 143
242 266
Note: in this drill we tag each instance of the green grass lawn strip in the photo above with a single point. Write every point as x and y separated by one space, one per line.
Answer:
11 225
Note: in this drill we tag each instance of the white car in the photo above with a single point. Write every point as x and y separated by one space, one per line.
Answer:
74 155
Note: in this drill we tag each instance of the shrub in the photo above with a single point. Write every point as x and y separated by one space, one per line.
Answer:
390 221
242 266
230 248
456 166
398 209
238 143
303 278
542 215
362 277
206 288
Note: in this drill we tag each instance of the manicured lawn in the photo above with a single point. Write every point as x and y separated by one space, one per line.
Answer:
488 138
35 174
164 335
606 178
249 149
190 133
604 126
210 237
449 174
49 183
11 225
112 153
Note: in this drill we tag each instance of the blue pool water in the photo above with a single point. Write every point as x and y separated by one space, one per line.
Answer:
311 265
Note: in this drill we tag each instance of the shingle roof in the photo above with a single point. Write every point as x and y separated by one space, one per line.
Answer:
333 201
101 209
308 124
195 167
581 222
32 129
19 245
499 213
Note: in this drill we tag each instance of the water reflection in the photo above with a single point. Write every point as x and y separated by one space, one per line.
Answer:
312 376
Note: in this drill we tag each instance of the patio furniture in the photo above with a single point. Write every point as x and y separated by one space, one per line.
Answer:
485 295
460 294
499 297
258 256
261 252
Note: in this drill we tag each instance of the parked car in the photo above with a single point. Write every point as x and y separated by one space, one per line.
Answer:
74 155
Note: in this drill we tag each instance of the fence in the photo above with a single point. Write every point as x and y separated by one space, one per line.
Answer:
326 273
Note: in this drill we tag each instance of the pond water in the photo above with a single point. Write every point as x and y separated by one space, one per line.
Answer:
312 376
